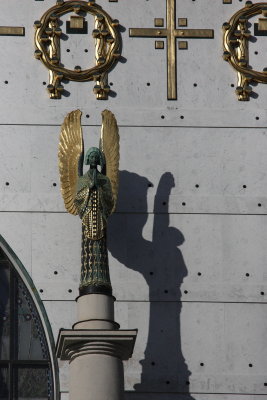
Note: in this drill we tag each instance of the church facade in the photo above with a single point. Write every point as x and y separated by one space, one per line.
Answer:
187 243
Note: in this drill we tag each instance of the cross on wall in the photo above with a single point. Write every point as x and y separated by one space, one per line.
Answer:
171 33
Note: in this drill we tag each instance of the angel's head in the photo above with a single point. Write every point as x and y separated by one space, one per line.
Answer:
94 157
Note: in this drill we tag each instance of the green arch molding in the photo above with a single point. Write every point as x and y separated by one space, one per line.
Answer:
25 277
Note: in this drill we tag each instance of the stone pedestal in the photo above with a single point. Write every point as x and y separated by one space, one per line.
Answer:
95 348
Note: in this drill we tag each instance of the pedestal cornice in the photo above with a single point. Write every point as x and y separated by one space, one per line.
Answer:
74 343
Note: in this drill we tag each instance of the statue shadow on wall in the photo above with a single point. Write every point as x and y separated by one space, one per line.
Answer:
162 265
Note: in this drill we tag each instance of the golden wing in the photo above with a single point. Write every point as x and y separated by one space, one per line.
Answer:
110 146
69 154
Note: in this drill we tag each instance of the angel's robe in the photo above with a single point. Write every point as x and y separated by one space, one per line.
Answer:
94 205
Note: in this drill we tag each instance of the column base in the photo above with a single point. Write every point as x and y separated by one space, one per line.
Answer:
95 348
95 356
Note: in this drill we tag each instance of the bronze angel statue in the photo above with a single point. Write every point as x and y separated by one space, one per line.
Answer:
92 195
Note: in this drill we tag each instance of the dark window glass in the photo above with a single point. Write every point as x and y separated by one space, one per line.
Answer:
25 365
31 383
4 394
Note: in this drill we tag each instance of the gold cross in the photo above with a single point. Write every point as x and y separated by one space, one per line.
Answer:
171 34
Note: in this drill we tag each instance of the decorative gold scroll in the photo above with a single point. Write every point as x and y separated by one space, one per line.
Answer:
236 48
47 42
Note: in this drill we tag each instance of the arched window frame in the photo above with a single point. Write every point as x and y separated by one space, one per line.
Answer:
28 282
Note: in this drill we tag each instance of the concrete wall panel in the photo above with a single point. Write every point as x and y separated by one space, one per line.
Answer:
180 347
192 257
210 361
16 229
192 171
169 258
211 103
195 396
